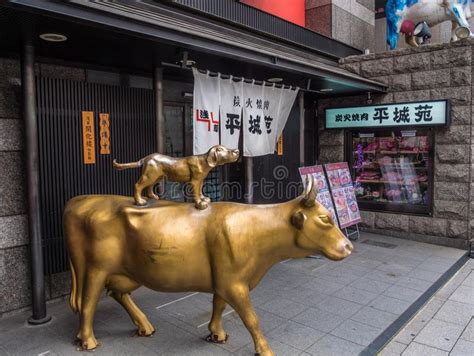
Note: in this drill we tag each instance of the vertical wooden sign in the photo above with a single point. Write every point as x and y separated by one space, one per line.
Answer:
104 133
88 137
280 145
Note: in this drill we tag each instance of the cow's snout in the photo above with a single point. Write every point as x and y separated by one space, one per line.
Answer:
349 247
236 152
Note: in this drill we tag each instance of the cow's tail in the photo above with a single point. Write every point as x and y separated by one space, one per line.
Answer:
73 299
121 166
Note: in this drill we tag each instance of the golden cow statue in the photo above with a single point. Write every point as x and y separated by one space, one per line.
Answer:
172 247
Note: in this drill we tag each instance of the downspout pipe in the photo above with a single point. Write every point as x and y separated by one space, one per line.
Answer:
159 118
38 302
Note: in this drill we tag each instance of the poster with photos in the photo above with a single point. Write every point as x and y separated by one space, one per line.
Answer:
343 193
324 196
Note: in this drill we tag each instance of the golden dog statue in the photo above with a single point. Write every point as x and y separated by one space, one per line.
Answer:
225 250
193 169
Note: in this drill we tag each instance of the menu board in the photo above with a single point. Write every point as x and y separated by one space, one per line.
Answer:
343 193
324 196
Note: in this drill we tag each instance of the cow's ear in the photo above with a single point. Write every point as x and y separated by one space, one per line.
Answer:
298 219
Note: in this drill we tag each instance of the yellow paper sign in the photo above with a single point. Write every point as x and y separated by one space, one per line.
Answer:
104 125
280 146
88 137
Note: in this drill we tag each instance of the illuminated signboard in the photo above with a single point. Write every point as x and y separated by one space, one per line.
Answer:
425 114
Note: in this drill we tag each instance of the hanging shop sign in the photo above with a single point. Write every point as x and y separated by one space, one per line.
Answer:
423 114
343 193
88 137
104 133
324 196
206 99
260 112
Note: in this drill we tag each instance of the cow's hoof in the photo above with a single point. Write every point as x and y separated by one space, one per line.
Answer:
201 205
265 353
215 339
145 332
89 344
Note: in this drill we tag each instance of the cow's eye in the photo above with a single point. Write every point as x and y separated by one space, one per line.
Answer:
325 219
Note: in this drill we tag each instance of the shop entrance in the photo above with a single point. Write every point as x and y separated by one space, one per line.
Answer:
64 173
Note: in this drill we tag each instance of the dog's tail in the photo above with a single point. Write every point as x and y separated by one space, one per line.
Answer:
121 166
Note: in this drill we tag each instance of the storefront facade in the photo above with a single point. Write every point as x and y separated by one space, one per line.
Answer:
131 63
411 181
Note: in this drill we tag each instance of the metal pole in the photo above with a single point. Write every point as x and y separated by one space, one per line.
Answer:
301 107
160 119
32 180
248 162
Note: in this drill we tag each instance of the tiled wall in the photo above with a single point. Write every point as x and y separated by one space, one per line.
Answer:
349 21
14 250
440 71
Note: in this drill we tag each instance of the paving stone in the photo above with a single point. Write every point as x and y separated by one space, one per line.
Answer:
409 332
415 349
403 293
463 294
393 349
462 348
469 281
296 335
331 345
326 286
374 317
370 285
455 312
356 332
439 334
468 333
305 296
424 275
355 295
339 306
414 283
319 319
388 304
283 307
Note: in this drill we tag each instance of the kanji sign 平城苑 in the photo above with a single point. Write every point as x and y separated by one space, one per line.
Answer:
426 113
88 137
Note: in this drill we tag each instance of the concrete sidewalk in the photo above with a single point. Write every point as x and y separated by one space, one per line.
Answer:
306 307
445 326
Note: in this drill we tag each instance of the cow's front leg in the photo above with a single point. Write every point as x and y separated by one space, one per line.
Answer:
218 334
238 296
94 284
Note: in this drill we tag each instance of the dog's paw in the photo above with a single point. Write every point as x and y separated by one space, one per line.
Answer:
201 205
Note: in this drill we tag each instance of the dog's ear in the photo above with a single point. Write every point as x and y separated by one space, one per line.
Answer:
212 157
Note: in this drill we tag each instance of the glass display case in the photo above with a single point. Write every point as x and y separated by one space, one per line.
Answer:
392 170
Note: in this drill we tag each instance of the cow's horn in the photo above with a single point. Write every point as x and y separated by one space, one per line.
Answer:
310 192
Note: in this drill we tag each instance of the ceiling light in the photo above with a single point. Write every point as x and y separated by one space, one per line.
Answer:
53 37
189 62
326 90
275 80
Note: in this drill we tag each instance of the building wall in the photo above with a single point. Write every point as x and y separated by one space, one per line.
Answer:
431 72
349 21
290 10
14 250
